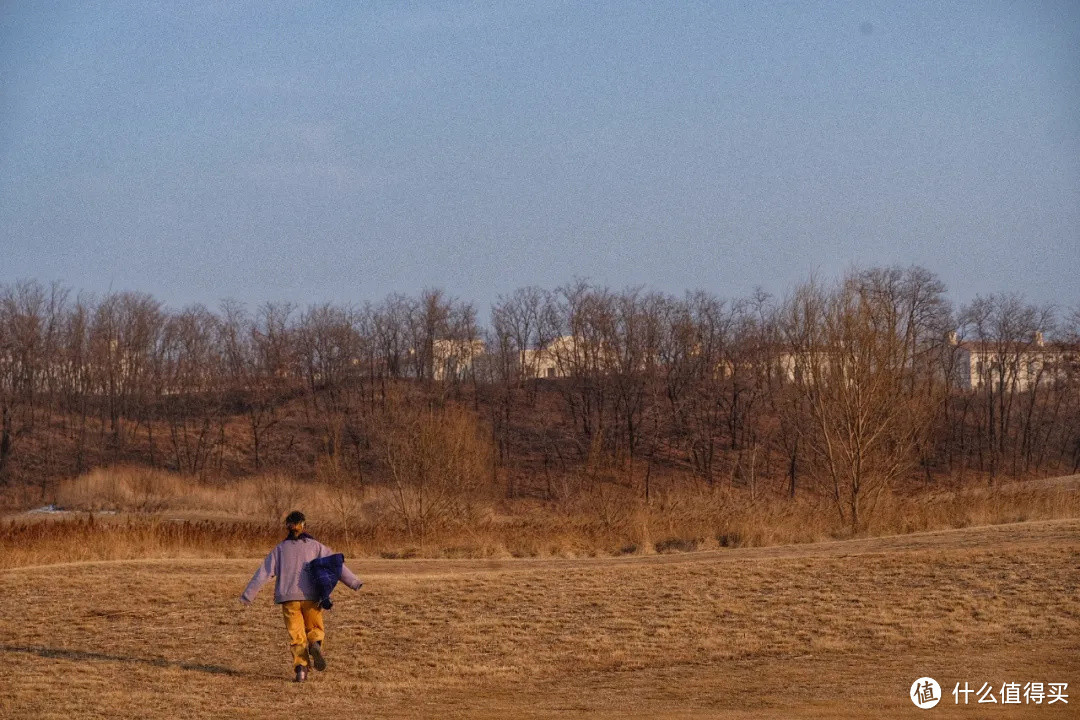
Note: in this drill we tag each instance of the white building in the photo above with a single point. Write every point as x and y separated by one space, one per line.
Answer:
454 359
1019 365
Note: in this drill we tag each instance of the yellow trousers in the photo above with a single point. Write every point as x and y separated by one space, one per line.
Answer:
304 621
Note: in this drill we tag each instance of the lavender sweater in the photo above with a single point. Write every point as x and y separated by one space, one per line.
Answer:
288 562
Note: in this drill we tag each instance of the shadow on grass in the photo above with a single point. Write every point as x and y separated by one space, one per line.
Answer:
150 662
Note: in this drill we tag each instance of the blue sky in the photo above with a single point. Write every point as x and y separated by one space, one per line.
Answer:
342 151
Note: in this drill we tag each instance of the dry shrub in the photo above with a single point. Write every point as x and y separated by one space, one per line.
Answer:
265 497
133 489
19 496
967 506
278 495
345 493
614 519
94 537
438 464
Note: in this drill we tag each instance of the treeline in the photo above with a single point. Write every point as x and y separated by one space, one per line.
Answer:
846 386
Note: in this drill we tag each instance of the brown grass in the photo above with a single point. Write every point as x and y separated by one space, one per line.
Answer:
137 489
130 513
826 630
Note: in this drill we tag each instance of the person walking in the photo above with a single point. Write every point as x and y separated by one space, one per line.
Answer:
297 591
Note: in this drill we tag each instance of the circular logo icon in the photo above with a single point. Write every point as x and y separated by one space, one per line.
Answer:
925 693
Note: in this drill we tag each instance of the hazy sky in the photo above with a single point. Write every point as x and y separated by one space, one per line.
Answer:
342 151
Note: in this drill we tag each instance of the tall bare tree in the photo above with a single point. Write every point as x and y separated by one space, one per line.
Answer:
852 368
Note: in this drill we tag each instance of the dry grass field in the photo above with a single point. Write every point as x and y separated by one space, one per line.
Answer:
826 630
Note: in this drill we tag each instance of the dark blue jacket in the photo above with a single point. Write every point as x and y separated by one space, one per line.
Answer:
326 571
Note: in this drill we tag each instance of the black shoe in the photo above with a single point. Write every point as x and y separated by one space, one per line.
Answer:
301 674
315 651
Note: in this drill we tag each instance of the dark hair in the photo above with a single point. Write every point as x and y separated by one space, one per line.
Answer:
295 517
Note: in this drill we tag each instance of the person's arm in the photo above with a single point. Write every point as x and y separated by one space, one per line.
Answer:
349 579
267 570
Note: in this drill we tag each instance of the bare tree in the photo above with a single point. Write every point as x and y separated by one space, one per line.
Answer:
390 322
437 462
31 364
328 352
194 371
257 355
1005 329
862 426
